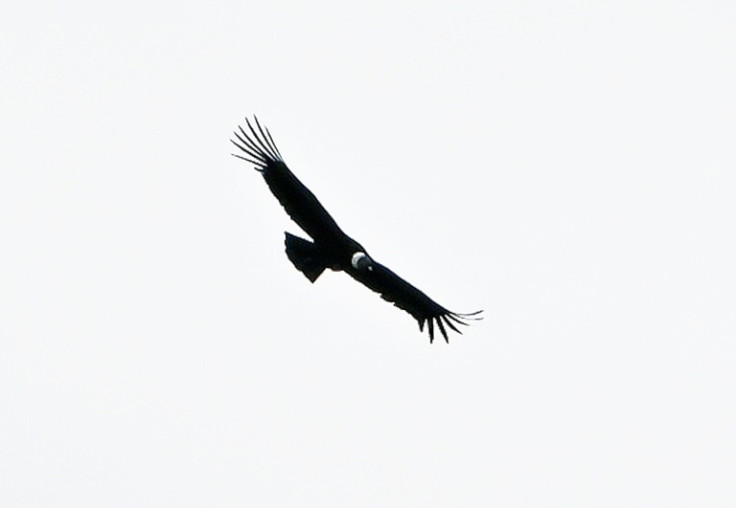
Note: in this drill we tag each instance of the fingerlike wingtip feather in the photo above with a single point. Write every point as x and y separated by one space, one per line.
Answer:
442 329
257 144
449 323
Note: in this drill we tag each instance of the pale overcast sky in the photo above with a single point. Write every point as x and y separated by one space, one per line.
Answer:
567 166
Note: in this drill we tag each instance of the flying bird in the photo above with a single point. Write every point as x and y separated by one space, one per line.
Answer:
330 247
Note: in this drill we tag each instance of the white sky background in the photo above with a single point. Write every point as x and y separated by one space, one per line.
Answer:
569 168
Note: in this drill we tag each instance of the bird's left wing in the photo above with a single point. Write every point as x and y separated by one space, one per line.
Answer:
410 299
300 203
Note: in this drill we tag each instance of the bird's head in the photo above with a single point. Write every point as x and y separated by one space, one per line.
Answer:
362 262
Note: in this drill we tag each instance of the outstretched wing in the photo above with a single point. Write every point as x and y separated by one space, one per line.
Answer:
302 206
410 299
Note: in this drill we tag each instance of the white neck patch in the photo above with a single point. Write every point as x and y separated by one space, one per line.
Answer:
356 259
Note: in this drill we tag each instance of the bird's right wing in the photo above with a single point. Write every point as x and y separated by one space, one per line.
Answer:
302 206
403 295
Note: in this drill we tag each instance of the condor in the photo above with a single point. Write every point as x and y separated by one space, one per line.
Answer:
330 247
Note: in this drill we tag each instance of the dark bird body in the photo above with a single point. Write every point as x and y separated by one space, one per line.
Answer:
331 247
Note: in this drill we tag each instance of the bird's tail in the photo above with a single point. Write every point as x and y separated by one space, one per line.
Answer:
305 256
